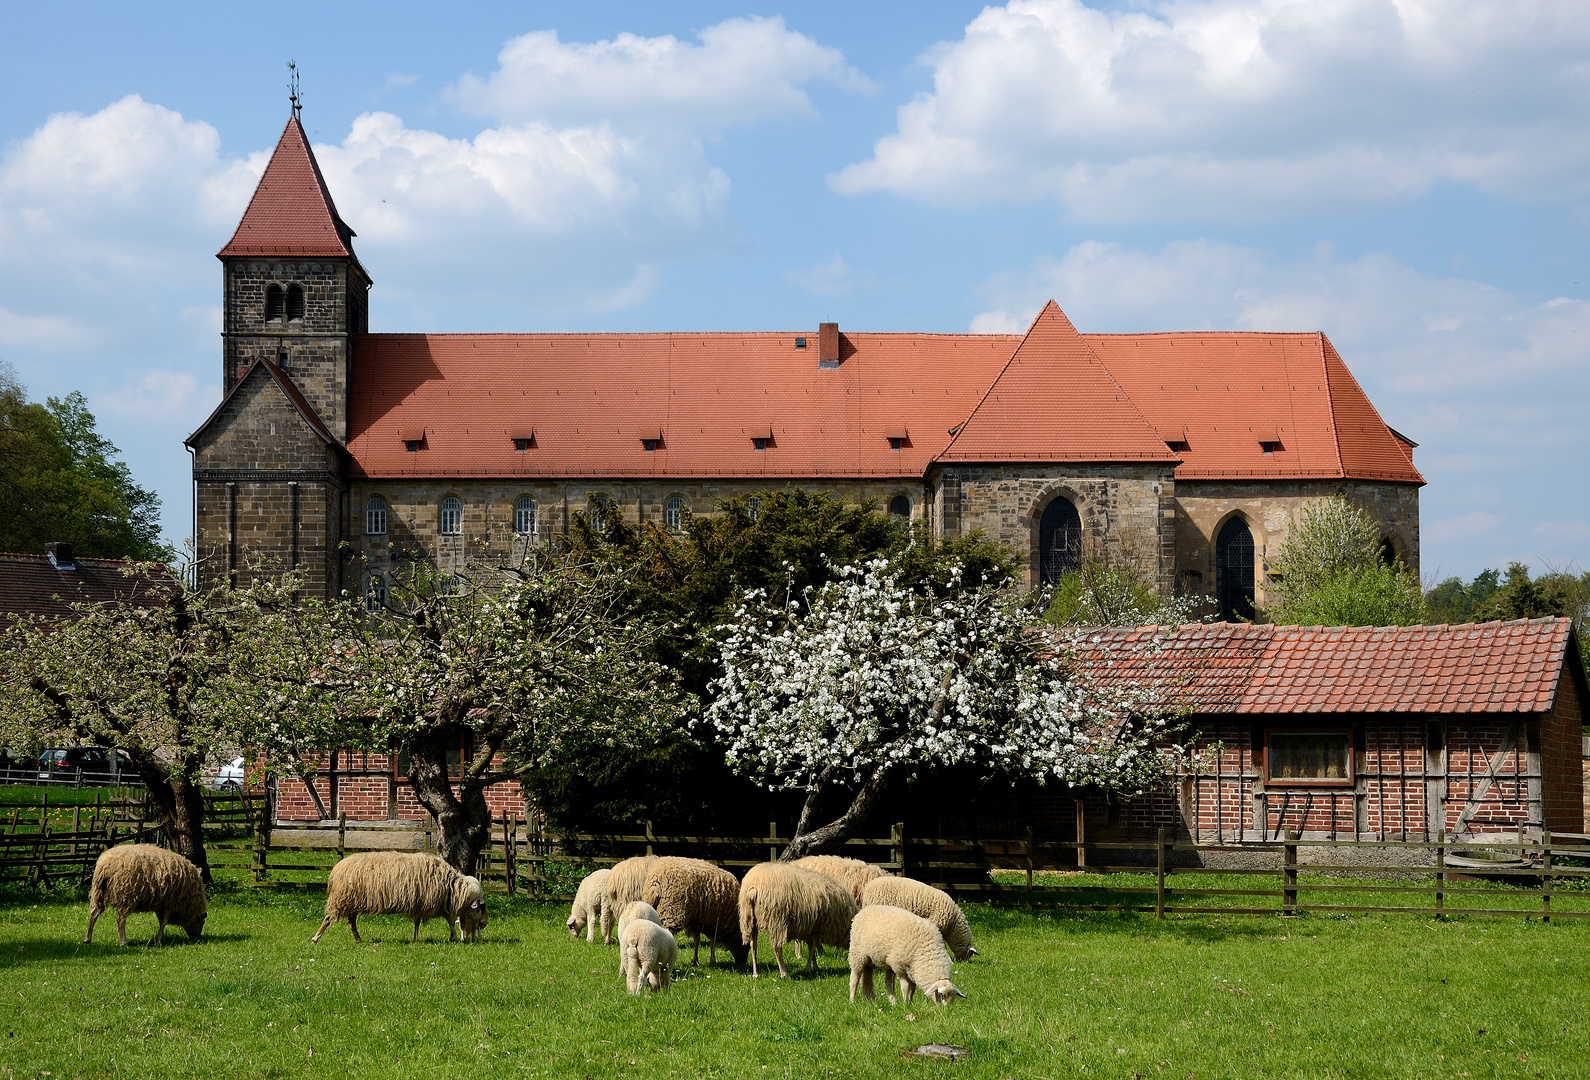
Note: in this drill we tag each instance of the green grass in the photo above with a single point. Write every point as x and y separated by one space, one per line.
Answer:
1052 995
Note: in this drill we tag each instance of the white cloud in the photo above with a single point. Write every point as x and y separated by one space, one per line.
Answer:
1490 383
832 278
159 396
743 70
1244 109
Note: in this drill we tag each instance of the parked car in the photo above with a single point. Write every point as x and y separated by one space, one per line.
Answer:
230 778
85 764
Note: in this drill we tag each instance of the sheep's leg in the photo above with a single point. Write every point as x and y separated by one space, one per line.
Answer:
667 975
754 973
866 982
353 924
907 987
695 961
590 927
416 936
855 980
121 926
778 951
160 930
888 983
452 930
712 957
95 910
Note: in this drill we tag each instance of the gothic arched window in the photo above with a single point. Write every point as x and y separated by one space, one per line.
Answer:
295 302
1234 567
524 516
900 506
375 517
275 303
452 517
1059 540
674 513
1388 551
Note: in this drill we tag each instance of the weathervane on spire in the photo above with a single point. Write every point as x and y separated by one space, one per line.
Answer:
292 90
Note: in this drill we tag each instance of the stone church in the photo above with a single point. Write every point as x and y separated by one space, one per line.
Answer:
337 451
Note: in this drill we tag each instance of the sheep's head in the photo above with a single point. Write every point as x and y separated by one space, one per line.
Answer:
472 916
942 992
195 927
962 953
576 923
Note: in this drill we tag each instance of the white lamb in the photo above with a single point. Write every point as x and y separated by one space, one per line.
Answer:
650 955
934 905
588 905
903 946
637 910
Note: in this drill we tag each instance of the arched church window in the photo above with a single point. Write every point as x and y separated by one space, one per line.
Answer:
452 517
900 506
375 517
1388 551
295 302
1059 540
1234 566
524 516
674 513
275 303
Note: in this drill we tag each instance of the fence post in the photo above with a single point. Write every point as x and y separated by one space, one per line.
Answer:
1289 874
1159 900
430 833
1440 871
772 846
1545 876
342 835
507 856
897 847
648 836
262 841
1030 841
77 823
1082 836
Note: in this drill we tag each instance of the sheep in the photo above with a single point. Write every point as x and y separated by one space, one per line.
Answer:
792 903
142 877
903 946
588 904
934 905
637 910
696 896
649 955
420 886
852 873
624 887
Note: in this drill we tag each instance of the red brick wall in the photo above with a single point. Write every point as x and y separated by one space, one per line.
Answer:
361 783
1561 757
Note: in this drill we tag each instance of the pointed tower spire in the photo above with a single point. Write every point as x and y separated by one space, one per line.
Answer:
291 212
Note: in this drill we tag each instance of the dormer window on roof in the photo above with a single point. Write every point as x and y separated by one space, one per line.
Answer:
762 438
652 441
899 438
524 438
413 439
800 343
1270 446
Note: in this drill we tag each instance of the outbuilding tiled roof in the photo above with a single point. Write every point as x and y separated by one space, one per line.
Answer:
1495 667
291 213
31 585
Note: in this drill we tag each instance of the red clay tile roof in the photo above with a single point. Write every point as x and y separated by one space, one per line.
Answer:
1227 390
288 388
1496 667
30 585
291 212
1054 401
592 398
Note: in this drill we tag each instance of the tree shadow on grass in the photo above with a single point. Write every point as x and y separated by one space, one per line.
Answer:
1208 928
26 951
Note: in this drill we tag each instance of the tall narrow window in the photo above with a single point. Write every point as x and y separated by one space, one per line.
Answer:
375 593
1388 551
900 506
1059 540
674 513
295 302
1234 565
275 303
452 517
375 517
753 508
524 516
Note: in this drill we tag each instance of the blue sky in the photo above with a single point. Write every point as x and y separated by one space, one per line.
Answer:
1413 178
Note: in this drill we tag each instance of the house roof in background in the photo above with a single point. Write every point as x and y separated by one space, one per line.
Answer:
291 213
1236 668
31 585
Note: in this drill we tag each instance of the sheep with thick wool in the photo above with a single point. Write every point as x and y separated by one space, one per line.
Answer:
638 910
791 903
589 902
904 946
420 886
625 885
694 896
134 878
649 953
853 874
934 905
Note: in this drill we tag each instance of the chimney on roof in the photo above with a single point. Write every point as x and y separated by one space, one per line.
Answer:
60 556
828 344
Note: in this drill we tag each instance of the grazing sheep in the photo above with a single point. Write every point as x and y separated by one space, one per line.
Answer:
853 874
588 904
142 877
638 910
794 904
903 946
624 886
934 905
695 896
649 955
420 886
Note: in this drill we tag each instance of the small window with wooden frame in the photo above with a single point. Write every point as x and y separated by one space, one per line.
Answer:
459 755
1317 757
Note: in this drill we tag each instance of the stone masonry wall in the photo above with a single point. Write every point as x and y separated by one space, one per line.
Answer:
1126 510
1271 508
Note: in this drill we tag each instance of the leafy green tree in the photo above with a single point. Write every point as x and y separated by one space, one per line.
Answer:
1098 594
1331 573
1451 601
1557 592
61 481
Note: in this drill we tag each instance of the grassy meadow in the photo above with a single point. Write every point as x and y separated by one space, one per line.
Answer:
1051 995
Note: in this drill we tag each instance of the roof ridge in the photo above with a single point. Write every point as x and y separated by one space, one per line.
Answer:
291 211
